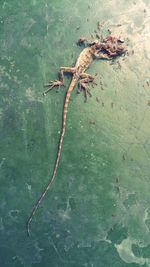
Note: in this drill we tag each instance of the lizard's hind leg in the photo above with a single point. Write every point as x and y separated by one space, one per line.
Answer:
60 82
84 84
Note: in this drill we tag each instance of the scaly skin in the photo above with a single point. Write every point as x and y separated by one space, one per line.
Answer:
108 48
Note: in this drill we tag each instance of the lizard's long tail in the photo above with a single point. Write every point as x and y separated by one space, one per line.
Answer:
38 202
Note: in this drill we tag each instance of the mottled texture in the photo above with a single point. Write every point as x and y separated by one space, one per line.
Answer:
97 212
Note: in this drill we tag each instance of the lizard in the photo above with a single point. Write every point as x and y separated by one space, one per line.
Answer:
106 49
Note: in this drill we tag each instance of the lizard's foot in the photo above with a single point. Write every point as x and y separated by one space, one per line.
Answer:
83 86
52 84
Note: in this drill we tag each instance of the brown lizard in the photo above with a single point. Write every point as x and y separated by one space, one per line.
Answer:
107 48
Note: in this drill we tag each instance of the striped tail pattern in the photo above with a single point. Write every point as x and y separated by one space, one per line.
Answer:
38 202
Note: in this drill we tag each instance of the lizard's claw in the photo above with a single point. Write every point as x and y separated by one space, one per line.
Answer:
51 85
84 87
54 83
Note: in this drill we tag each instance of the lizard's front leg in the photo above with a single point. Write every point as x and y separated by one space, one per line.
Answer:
84 83
60 82
64 70
100 55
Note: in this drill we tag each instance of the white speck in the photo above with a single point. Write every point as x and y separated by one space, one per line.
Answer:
28 187
126 254
30 94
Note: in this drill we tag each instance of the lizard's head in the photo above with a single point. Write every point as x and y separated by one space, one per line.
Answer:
113 46
83 41
110 45
96 43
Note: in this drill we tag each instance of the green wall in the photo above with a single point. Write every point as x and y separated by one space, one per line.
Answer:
97 212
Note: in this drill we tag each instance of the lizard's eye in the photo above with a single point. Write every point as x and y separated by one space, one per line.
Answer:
120 40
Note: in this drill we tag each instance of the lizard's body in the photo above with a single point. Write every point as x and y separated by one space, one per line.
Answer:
88 54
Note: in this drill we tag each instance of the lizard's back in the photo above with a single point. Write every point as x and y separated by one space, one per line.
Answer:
84 60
